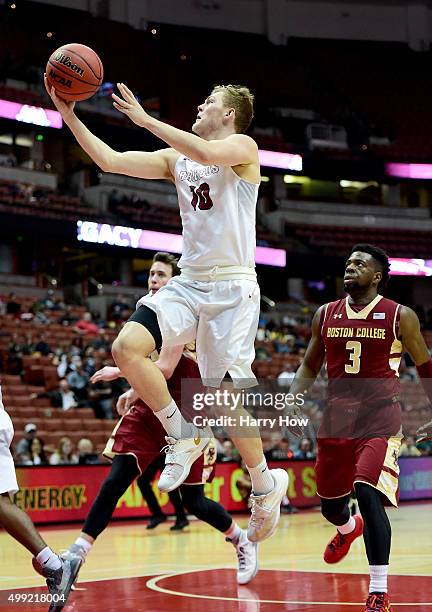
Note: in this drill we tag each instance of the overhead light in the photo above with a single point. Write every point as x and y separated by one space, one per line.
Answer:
265 179
300 180
357 184
24 141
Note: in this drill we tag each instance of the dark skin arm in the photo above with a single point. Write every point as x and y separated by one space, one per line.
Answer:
310 367
414 343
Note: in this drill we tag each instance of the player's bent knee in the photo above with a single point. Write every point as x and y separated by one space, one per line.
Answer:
134 340
196 507
333 509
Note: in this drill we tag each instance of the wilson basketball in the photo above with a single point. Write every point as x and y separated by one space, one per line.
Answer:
75 71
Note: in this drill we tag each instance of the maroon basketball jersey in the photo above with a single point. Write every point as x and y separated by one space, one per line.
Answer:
184 382
363 353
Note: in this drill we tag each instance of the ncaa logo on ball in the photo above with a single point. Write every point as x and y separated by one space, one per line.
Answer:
66 61
57 78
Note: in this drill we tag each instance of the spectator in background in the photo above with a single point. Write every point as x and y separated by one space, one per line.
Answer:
17 348
408 448
305 449
100 396
285 340
36 454
12 306
262 354
23 446
119 308
229 452
78 381
50 303
67 319
86 326
281 451
41 346
63 397
64 455
102 341
425 448
261 333
86 453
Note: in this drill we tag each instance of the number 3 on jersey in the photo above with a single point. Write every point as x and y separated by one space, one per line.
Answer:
201 197
355 349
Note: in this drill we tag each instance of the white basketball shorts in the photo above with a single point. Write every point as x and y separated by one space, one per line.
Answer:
8 481
222 316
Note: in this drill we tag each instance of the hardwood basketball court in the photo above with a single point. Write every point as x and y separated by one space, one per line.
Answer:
131 568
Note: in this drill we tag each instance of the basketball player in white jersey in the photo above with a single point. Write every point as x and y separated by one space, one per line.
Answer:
59 573
216 298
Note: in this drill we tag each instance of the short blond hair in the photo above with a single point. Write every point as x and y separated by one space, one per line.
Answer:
241 99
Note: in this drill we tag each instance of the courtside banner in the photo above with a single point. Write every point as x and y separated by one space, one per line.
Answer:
415 478
65 493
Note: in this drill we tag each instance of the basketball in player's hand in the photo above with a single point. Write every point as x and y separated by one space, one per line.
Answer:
75 71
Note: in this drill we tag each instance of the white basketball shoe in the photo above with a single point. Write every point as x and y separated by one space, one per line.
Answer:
265 509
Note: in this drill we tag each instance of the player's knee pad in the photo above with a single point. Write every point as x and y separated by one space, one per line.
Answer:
336 511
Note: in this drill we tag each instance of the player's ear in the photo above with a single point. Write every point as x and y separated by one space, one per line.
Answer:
378 277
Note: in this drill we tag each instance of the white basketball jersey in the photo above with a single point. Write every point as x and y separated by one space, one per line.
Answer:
217 208
1 400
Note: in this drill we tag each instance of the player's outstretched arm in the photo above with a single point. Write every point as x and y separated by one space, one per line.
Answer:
415 344
140 164
411 336
236 150
313 359
309 369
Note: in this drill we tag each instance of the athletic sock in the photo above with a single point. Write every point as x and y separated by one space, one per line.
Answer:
348 527
84 544
233 533
173 422
262 480
48 558
378 578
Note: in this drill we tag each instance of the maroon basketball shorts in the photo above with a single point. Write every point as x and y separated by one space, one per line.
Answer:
343 462
140 434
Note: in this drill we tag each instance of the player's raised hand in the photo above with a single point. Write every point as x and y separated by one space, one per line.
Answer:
129 105
106 373
424 433
64 107
126 400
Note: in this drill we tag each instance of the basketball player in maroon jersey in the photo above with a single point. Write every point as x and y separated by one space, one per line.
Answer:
136 442
362 338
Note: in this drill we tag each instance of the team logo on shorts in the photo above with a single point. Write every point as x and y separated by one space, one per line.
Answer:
197 441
